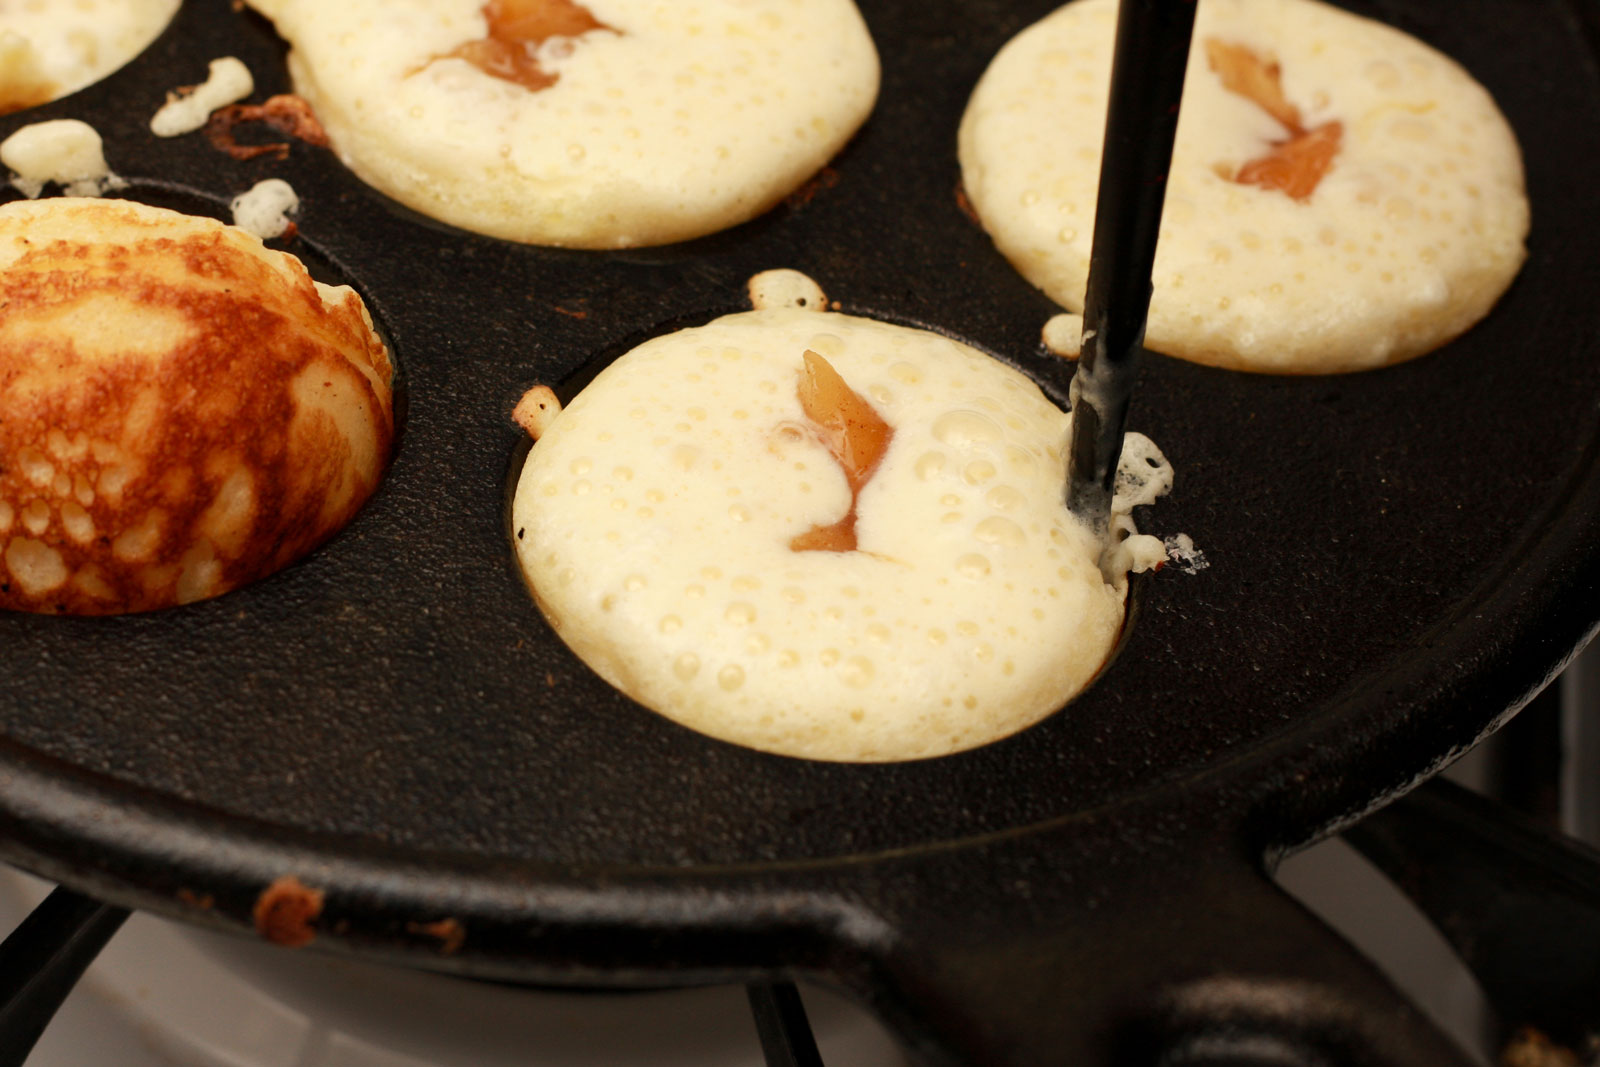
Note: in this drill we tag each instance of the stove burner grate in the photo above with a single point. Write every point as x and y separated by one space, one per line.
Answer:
1518 901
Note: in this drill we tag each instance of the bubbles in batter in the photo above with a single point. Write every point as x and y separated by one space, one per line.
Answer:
929 630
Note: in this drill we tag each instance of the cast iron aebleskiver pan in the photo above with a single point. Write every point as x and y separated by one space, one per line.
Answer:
1398 560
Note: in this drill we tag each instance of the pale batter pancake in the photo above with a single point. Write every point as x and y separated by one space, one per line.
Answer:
616 123
182 410
49 48
690 531
1341 195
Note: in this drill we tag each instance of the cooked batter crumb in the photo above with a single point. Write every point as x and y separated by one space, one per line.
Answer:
228 80
536 410
286 912
451 934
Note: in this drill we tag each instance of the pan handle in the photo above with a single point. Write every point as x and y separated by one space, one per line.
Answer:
42 960
1143 961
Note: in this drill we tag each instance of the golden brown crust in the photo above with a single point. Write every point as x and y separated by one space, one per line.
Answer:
181 411
19 94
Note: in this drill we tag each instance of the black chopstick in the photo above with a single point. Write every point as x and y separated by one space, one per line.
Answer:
1152 52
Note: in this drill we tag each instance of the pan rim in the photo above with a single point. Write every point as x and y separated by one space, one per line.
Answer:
55 811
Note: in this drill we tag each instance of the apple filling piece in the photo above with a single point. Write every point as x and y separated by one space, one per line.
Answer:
853 433
1296 164
517 30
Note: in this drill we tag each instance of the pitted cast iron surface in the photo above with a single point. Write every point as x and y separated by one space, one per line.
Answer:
1374 539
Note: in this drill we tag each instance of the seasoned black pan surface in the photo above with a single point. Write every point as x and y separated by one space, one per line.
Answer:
1397 558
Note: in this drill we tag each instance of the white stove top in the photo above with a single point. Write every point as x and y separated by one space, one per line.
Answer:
164 995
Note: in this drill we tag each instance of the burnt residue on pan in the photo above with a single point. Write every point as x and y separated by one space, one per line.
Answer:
1396 559
450 934
287 911
286 113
